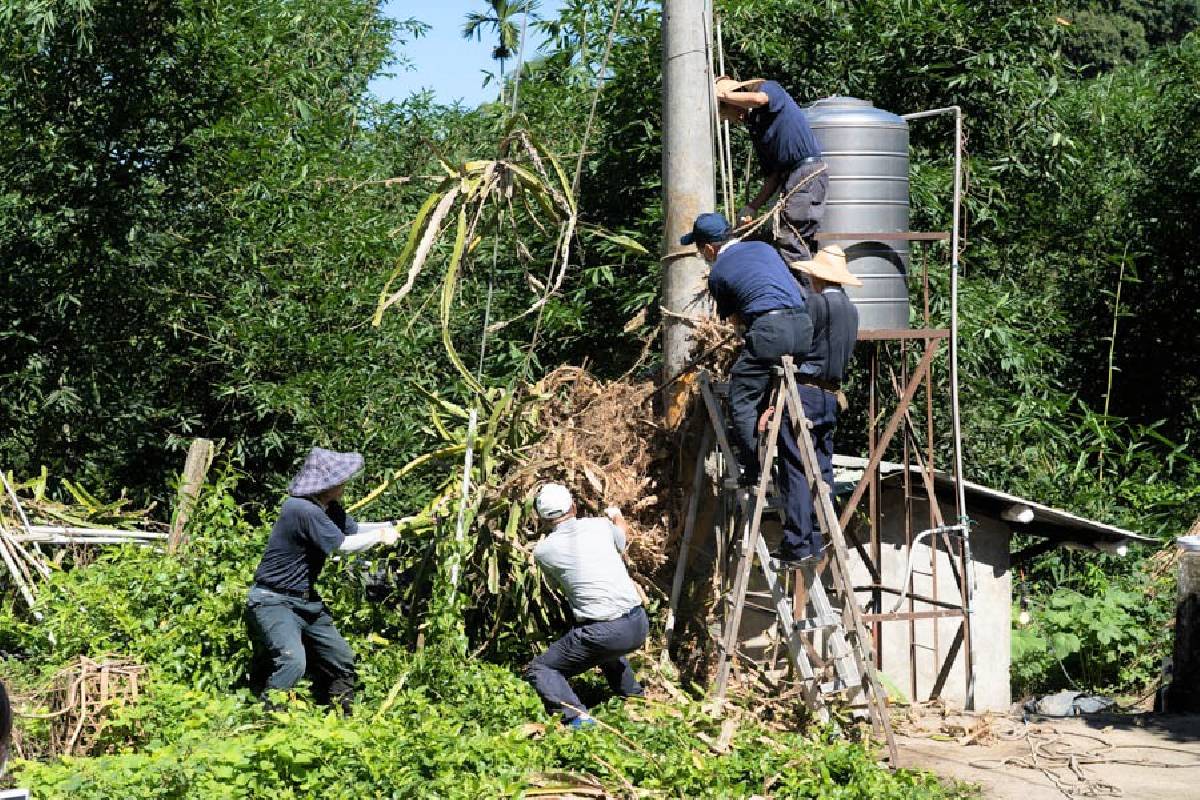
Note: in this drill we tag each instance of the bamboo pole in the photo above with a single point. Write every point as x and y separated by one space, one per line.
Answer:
199 458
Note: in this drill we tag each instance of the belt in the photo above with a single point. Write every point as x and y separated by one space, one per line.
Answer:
833 387
299 595
628 613
759 315
804 161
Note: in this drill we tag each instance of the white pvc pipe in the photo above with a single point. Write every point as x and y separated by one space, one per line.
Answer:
960 493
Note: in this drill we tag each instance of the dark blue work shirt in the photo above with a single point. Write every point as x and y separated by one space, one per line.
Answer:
749 278
781 134
835 330
302 538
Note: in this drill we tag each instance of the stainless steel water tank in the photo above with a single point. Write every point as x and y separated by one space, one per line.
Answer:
866 149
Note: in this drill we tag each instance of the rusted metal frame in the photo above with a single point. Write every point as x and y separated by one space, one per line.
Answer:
873 520
911 616
717 421
898 236
908 531
899 592
948 662
893 424
935 510
725 538
897 334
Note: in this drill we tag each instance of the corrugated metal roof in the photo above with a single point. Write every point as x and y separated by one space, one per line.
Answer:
1048 522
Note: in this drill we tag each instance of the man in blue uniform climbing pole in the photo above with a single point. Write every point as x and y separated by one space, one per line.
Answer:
788 156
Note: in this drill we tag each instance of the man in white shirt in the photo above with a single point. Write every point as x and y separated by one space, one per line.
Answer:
583 556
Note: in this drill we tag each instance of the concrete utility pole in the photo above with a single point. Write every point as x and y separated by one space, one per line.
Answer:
688 187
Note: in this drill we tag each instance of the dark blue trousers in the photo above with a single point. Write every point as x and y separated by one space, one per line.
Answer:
768 339
298 637
801 534
592 644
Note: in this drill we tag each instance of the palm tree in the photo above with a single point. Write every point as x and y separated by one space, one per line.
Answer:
500 17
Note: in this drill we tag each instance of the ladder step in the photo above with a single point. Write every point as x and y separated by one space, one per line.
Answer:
828 622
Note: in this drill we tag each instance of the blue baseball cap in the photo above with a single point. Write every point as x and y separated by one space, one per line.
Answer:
708 228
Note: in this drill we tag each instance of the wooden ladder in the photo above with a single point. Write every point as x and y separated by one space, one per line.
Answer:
841 626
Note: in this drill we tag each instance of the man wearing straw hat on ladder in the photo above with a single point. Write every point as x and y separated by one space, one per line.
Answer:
790 159
834 333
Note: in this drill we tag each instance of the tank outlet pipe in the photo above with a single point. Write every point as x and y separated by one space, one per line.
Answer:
960 494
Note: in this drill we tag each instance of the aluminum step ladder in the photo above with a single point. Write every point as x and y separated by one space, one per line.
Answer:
834 626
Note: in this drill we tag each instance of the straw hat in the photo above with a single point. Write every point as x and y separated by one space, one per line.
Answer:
726 85
829 265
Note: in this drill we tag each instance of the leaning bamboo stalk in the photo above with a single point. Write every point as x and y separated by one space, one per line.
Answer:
12 496
56 540
22 559
83 533
37 561
15 572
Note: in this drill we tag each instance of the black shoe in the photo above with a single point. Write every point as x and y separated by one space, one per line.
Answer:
785 560
748 480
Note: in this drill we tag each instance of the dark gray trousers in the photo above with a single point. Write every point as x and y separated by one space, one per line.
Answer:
298 637
796 226
768 340
592 644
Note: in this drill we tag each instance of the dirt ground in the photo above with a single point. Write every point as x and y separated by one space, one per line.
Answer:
1088 757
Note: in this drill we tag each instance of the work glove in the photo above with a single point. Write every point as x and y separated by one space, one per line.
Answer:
613 513
389 535
745 215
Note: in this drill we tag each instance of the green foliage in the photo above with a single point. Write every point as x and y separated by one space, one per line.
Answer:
1098 639
462 739
430 724
1103 34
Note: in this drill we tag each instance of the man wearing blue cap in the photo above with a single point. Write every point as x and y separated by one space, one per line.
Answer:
752 286
288 621
788 155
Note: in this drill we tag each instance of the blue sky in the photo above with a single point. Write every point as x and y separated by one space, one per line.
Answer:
441 59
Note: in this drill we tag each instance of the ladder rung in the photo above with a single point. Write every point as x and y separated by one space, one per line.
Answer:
835 685
826 622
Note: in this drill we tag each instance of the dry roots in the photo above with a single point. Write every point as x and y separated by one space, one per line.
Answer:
605 443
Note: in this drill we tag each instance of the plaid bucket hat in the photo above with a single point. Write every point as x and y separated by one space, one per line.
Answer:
324 469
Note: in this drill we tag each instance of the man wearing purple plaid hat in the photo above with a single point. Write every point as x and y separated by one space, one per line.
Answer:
288 621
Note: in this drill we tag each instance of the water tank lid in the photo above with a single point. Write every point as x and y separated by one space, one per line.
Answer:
844 110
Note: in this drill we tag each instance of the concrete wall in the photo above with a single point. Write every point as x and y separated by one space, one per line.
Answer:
934 645
930 643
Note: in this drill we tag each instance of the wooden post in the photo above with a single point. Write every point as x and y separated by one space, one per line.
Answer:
1183 693
199 459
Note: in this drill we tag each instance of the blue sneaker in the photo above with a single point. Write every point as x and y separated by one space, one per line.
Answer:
582 721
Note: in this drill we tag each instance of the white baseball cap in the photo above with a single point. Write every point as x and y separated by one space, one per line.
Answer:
553 500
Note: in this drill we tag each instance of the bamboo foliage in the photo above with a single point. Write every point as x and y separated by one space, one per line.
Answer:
532 180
